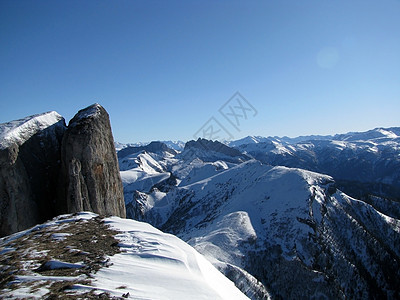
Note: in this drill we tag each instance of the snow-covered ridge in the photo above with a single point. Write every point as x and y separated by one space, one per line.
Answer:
155 265
175 145
19 131
274 219
376 135
250 217
149 265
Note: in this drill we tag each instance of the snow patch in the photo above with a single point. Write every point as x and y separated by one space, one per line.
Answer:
57 264
90 112
19 131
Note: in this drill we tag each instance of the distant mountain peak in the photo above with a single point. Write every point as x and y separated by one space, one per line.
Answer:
216 146
153 147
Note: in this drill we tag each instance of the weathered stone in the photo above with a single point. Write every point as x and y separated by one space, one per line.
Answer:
29 163
90 179
47 169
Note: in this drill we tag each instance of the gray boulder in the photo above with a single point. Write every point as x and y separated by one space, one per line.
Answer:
90 179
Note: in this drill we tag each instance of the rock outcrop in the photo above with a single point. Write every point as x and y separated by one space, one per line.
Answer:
29 164
90 179
47 169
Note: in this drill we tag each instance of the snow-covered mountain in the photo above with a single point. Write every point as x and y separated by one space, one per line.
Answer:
362 163
377 135
274 230
288 228
157 170
91 257
175 145
306 217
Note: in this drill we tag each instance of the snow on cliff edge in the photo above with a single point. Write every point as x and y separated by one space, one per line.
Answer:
19 131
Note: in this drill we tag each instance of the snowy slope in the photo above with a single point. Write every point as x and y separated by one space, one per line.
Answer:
377 135
142 172
248 140
287 232
155 265
150 265
288 228
148 172
19 131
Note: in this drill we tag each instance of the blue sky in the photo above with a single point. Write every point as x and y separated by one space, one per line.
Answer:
162 69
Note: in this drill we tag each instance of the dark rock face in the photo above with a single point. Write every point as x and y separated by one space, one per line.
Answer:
18 210
90 172
47 169
29 166
216 146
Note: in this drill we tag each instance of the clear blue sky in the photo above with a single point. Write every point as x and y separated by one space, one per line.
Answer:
163 68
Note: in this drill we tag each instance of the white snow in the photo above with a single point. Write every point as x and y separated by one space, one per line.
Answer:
387 133
151 265
245 140
263 203
203 171
280 149
19 131
222 241
155 265
230 211
54 264
59 236
140 171
138 180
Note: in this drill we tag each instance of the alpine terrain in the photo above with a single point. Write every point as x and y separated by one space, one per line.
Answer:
312 217
309 217
50 170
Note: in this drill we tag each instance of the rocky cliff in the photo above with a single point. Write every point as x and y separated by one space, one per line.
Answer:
29 166
47 169
90 173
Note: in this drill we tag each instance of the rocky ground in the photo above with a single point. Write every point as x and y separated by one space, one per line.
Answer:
52 260
84 256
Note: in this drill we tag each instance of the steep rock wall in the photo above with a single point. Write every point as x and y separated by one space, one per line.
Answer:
90 173
47 169
30 151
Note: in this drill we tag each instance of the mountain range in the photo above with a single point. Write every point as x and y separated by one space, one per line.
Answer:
306 217
312 217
